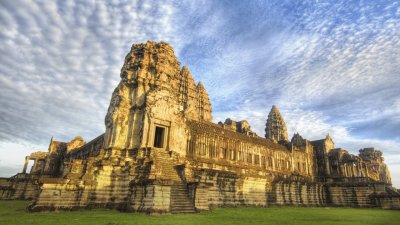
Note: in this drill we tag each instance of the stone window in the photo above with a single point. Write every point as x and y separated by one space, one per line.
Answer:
225 152
263 162
249 158
159 137
215 152
211 151
203 149
241 158
233 155
257 159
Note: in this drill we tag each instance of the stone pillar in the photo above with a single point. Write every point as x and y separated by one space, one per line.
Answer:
34 166
328 171
272 162
291 164
25 164
359 169
343 169
308 166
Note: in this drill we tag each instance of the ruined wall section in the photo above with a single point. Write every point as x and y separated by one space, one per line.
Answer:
375 165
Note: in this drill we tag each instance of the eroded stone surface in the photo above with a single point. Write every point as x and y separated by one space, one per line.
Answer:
161 153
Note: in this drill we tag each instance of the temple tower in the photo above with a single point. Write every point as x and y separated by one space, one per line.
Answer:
204 105
276 127
194 99
153 100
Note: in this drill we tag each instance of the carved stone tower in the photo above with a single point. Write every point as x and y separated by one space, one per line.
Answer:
153 100
204 105
194 98
276 128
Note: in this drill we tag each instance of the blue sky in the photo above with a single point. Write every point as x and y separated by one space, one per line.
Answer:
330 66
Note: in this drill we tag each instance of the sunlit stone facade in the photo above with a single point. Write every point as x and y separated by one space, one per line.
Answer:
161 153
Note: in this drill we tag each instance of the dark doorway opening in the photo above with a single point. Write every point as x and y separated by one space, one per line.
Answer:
159 137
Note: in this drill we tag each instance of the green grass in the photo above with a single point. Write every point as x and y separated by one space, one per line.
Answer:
14 212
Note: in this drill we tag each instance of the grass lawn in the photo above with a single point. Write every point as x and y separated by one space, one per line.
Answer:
14 212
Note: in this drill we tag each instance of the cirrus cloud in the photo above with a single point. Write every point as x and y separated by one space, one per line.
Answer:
330 67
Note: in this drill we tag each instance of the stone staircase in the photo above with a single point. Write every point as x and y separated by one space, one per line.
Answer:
164 161
392 191
20 186
180 200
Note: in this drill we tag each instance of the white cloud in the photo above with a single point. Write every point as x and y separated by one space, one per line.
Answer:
329 67
61 62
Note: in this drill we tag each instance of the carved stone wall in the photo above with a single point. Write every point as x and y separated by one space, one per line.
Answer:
161 153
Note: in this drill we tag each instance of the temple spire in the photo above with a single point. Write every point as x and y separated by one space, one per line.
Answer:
276 127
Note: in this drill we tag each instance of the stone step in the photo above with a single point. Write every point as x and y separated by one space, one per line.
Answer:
180 200
166 163
182 207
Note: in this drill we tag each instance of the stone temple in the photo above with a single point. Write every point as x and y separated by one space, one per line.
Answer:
161 153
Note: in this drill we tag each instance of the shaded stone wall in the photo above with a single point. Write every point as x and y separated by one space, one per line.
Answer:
21 186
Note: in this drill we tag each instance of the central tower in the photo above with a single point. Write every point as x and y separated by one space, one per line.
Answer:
276 127
153 100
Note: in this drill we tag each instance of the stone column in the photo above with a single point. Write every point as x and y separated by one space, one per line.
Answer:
34 166
328 171
25 164
343 169
272 162
307 166
359 170
291 164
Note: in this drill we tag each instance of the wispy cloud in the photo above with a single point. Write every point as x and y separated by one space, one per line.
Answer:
329 66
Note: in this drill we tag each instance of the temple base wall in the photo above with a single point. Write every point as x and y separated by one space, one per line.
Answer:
153 181
150 198
218 191
21 186
298 194
221 189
